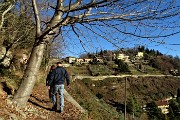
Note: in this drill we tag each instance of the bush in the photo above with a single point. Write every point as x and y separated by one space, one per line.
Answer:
4 72
98 95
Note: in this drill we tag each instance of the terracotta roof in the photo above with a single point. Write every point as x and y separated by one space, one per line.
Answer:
161 102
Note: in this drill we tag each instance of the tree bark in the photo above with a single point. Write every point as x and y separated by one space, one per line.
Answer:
30 75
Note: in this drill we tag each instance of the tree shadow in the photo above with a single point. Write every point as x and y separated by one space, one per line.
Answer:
119 106
36 104
39 100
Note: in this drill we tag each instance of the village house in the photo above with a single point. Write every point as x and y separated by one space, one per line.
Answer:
114 56
98 59
120 56
174 71
79 60
88 60
163 105
140 55
123 57
70 59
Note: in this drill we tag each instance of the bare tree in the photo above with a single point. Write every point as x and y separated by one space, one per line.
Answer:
116 21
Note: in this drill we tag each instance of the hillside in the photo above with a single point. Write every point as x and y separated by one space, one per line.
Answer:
101 98
137 60
142 89
145 89
97 108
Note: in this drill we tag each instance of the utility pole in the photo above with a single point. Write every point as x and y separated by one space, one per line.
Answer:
125 99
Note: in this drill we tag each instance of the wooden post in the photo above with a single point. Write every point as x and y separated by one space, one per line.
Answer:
125 99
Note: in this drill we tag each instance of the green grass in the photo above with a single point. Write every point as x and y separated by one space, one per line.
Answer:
109 69
150 71
99 70
79 70
153 71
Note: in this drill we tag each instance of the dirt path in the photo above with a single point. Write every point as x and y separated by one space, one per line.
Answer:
38 108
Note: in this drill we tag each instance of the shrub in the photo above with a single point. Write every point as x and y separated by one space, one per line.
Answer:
98 95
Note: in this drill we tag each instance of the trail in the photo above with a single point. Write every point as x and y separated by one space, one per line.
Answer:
37 108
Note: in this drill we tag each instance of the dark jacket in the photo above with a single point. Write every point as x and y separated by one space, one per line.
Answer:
58 76
48 77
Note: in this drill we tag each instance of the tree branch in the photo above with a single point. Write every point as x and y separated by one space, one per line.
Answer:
36 14
81 41
5 12
72 6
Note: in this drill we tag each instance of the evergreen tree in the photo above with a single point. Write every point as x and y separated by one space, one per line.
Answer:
133 107
154 112
141 48
122 67
147 51
174 110
171 115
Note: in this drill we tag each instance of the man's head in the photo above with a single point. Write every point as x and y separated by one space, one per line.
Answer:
52 67
59 63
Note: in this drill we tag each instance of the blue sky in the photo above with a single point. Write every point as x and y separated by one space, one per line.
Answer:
170 48
74 47
129 33
167 49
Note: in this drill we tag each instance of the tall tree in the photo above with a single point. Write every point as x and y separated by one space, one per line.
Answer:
133 107
101 18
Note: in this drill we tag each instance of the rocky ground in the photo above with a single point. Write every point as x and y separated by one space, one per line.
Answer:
38 107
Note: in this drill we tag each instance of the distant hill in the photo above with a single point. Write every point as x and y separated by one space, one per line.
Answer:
129 61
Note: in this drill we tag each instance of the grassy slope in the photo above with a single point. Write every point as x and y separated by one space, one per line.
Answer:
97 108
109 69
145 89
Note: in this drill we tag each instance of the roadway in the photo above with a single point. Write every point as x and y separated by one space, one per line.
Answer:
118 76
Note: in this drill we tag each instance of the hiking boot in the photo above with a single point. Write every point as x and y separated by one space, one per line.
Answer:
59 111
54 108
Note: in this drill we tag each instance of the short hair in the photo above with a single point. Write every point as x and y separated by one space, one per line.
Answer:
52 67
59 63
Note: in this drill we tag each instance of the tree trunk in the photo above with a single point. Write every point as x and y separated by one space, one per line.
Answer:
30 75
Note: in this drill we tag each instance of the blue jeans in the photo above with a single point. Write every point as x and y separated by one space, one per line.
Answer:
58 89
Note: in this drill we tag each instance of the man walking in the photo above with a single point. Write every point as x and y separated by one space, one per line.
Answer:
47 80
57 80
